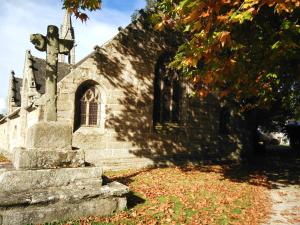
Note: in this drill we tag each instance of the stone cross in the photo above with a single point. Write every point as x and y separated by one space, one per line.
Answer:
53 46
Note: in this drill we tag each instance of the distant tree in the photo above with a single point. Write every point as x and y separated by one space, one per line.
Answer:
135 15
151 4
1 116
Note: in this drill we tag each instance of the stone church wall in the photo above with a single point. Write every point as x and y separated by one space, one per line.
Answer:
3 137
14 130
32 117
125 137
9 133
123 71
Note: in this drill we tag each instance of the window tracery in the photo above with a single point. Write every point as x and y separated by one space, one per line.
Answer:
89 111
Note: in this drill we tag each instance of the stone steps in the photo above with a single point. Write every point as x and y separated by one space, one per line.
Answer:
5 167
24 180
65 202
51 181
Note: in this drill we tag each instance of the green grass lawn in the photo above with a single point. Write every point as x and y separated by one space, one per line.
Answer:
188 195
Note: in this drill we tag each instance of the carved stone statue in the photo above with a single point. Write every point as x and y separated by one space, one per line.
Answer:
53 46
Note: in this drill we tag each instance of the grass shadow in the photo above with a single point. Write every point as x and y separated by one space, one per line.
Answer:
133 200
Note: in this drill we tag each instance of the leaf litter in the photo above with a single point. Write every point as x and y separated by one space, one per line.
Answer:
188 195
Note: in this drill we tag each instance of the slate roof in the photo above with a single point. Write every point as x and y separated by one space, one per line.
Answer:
39 71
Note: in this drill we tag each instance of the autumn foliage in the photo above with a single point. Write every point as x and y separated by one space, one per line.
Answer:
248 50
79 6
245 50
3 159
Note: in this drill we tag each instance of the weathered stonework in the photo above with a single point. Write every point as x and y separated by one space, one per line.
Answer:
124 71
53 46
41 135
49 180
40 196
26 180
47 158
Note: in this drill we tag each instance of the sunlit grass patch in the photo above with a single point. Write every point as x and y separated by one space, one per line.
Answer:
193 195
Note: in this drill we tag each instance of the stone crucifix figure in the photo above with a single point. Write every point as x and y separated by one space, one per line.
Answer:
53 46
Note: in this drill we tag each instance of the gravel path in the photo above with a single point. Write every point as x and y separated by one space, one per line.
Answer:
285 205
282 167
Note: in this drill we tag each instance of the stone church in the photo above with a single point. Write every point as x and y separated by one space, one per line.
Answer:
126 107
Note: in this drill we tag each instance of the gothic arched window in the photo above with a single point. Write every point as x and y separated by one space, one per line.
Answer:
87 105
167 92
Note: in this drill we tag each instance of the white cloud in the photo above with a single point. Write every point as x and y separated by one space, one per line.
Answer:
2 105
21 18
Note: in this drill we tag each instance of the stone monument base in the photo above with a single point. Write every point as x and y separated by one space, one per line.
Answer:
54 135
48 145
52 182
46 195
47 158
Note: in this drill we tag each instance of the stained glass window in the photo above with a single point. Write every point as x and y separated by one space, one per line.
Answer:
89 107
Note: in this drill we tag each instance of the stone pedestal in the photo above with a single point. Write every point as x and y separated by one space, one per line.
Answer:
47 158
51 182
48 145
40 196
62 204
55 135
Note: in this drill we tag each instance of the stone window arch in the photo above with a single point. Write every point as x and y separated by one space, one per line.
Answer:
167 92
89 105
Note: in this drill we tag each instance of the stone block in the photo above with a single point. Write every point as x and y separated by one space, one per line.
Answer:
49 135
24 180
117 144
122 204
126 163
64 97
90 138
125 152
112 100
47 158
61 203
116 107
64 105
23 158
95 156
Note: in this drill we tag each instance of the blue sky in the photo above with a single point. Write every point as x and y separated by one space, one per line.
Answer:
20 18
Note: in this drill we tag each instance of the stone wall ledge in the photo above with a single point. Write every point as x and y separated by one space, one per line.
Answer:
68 194
62 203
46 158
25 180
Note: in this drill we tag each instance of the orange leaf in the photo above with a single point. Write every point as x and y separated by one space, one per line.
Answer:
224 37
159 26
